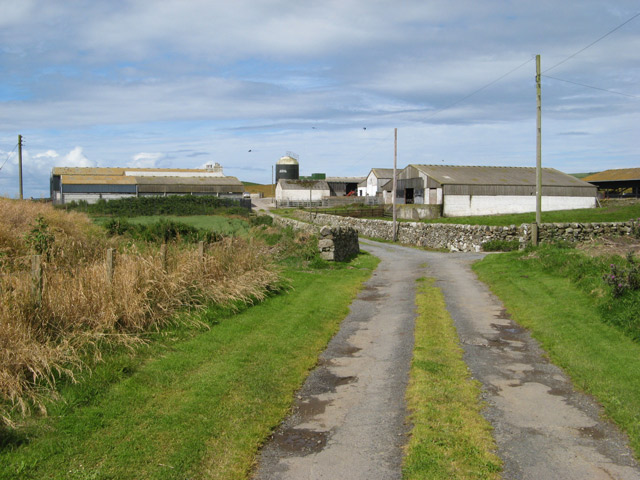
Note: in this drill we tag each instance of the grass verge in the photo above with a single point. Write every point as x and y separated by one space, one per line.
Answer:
193 406
599 358
450 438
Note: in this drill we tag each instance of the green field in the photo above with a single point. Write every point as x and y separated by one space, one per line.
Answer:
217 223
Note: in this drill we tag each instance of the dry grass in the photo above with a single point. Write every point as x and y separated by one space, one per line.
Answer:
82 309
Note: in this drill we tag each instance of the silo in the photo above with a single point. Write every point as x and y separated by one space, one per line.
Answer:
287 168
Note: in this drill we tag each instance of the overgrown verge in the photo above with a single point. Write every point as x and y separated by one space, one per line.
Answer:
49 331
193 406
565 299
449 438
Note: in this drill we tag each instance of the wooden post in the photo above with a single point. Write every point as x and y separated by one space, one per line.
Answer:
201 251
163 256
395 166
36 275
20 164
110 264
534 234
538 143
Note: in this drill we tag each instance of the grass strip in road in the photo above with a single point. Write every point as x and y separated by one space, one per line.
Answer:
203 407
450 439
599 358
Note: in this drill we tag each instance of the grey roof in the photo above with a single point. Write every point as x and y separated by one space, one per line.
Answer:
188 181
470 175
303 184
344 179
384 172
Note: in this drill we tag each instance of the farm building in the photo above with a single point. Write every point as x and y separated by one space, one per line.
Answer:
91 184
470 190
617 182
301 192
343 186
372 185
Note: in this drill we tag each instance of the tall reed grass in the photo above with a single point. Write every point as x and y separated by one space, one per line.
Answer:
82 309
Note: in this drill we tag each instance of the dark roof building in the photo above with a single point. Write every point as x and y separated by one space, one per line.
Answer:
616 182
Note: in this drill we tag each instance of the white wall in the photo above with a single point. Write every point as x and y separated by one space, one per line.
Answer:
300 195
463 205
94 197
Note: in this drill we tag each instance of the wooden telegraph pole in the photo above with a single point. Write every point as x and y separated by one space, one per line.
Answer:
395 164
20 163
538 151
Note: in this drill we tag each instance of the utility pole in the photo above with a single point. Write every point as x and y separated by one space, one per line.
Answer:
20 163
538 147
395 165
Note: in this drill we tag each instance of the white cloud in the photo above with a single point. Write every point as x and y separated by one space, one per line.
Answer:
146 160
76 158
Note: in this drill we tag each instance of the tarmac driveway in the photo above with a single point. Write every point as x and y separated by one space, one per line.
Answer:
348 421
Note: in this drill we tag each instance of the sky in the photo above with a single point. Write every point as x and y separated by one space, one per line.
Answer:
179 84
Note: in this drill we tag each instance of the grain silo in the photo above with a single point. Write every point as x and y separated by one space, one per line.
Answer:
287 167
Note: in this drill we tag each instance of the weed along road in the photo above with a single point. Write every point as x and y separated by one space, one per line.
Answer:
349 420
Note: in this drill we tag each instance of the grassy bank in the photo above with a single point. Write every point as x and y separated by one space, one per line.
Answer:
565 303
450 438
192 406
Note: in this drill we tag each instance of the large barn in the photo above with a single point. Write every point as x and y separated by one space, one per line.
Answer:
91 184
617 182
470 190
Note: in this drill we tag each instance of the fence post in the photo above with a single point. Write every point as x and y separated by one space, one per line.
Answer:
110 264
36 275
163 257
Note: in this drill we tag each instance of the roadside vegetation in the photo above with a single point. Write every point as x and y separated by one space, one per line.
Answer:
585 311
168 371
52 332
450 438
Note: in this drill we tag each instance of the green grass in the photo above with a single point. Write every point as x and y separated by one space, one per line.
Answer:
450 438
192 405
218 223
610 212
564 315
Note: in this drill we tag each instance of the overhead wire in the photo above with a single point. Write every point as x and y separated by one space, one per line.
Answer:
8 156
592 43
591 86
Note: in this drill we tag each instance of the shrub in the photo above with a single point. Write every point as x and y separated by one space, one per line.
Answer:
623 278
501 245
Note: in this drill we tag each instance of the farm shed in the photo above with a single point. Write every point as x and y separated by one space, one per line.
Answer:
617 182
471 190
91 184
301 192
373 183
342 186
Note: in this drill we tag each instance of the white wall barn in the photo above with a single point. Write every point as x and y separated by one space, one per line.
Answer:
301 190
471 190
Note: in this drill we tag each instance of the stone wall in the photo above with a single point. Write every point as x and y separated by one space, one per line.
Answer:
466 238
338 244
335 244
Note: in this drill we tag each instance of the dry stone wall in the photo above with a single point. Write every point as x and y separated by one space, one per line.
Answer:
466 238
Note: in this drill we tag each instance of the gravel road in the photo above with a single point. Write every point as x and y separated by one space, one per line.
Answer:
349 418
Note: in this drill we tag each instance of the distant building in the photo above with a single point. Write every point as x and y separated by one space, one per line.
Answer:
372 185
91 184
470 190
293 193
344 186
617 182
288 167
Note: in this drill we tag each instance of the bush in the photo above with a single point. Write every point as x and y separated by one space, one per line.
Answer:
160 231
501 245
262 220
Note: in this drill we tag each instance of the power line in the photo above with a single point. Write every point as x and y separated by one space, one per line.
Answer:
590 86
478 90
591 44
8 156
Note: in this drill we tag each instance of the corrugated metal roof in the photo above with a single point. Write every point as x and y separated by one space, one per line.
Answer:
614 175
344 179
187 181
471 175
383 172
97 180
